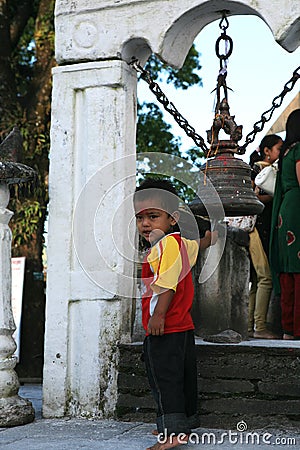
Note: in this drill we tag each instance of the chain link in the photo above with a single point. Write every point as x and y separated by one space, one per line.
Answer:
190 131
267 115
183 123
169 106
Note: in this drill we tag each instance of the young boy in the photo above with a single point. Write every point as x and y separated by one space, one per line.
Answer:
167 297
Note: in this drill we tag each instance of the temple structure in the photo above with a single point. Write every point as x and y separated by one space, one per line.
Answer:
91 279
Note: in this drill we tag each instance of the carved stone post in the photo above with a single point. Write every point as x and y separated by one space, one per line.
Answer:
14 410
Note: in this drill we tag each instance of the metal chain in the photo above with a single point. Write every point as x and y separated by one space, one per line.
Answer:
190 131
169 106
267 115
183 123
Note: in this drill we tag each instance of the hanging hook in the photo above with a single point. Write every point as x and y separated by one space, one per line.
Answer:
224 19
221 80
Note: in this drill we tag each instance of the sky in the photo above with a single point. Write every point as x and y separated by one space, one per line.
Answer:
257 72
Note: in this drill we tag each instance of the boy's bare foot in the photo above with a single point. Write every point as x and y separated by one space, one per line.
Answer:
172 442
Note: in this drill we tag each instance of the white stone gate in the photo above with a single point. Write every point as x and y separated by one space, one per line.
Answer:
93 131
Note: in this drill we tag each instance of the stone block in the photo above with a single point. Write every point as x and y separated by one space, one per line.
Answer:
133 383
254 421
225 386
247 406
131 401
291 388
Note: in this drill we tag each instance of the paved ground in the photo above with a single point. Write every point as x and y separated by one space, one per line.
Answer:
83 434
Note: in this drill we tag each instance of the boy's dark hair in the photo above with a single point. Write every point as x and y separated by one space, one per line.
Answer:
161 189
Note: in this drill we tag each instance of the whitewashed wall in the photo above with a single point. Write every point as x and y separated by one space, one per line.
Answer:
93 132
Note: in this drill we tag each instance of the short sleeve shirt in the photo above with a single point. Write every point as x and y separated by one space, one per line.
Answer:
168 266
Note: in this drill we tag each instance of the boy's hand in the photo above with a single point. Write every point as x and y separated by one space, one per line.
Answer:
156 324
210 238
214 236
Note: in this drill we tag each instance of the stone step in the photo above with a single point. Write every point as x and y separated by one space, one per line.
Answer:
257 381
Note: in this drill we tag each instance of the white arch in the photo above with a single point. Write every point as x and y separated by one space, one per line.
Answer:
180 36
107 29
93 125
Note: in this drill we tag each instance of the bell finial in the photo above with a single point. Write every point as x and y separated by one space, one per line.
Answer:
224 121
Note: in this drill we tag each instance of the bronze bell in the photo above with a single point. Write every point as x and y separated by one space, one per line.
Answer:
229 175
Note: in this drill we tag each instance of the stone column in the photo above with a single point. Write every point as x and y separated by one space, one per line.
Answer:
14 410
90 269
221 303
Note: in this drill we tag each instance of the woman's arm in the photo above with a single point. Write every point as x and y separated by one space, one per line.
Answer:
298 171
264 198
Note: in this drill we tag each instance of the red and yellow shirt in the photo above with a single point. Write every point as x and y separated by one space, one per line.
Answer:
168 266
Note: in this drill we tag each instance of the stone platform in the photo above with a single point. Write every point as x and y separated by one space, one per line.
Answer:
255 381
79 433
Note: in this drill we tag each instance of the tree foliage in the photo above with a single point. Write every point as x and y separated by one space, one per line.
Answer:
182 78
26 61
27 57
154 134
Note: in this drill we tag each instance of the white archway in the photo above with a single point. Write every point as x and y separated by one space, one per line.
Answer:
91 32
93 126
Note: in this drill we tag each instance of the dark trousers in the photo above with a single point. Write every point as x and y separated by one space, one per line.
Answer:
172 373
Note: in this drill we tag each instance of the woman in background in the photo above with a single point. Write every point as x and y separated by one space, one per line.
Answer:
285 231
260 276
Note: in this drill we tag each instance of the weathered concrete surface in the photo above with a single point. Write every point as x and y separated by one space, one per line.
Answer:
77 434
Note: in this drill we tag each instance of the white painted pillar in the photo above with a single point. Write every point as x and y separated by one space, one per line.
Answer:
14 410
92 134
90 272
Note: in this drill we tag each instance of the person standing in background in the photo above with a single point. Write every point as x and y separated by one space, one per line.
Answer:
268 152
260 276
285 229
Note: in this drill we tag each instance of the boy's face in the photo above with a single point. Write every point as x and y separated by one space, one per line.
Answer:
153 222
